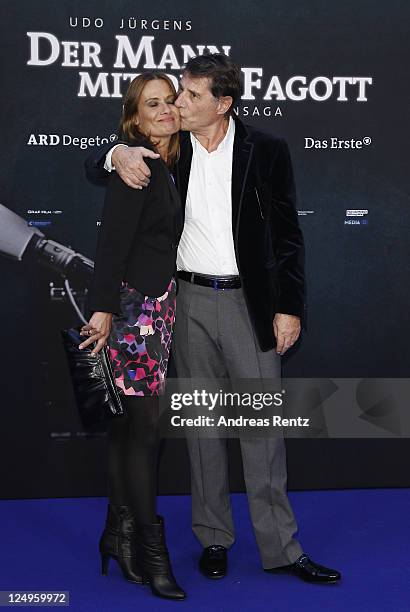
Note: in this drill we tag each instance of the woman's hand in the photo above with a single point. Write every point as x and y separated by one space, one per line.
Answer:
98 329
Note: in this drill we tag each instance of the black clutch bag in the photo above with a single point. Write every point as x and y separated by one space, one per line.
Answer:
96 394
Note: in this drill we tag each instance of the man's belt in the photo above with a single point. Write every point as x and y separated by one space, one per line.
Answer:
216 282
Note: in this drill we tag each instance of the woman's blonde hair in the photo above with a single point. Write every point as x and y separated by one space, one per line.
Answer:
129 130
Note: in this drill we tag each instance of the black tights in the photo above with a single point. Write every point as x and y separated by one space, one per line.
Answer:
133 457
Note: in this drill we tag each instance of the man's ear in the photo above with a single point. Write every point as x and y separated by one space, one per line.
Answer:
224 104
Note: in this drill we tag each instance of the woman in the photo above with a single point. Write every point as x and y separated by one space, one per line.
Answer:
135 260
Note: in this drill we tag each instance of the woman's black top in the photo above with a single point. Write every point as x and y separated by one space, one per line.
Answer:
138 239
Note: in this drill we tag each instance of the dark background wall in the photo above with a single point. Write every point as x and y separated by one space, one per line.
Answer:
358 282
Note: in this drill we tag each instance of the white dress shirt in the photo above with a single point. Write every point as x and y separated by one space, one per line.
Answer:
206 244
108 165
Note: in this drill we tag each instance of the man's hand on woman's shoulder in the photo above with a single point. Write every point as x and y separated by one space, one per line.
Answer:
129 164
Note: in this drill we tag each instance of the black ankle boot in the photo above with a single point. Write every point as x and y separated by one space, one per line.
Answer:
153 558
118 542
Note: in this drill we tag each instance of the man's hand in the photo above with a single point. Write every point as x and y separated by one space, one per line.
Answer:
286 329
130 165
98 329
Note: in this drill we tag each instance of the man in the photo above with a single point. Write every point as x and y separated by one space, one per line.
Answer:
241 293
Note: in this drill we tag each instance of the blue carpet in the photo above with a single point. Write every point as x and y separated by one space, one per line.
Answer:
52 545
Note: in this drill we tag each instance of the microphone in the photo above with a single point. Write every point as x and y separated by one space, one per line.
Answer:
18 241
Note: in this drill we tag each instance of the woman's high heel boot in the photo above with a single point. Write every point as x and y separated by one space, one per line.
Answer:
153 558
118 542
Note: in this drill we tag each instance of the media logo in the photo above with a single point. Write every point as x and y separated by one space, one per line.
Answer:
356 216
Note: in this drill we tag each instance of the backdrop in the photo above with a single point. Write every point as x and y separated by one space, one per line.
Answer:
330 78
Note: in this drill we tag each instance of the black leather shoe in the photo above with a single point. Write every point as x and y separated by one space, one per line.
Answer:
153 557
309 571
214 561
117 542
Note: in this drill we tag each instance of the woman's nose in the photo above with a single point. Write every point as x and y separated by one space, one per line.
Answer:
166 109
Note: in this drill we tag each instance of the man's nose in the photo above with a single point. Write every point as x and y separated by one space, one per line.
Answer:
179 102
